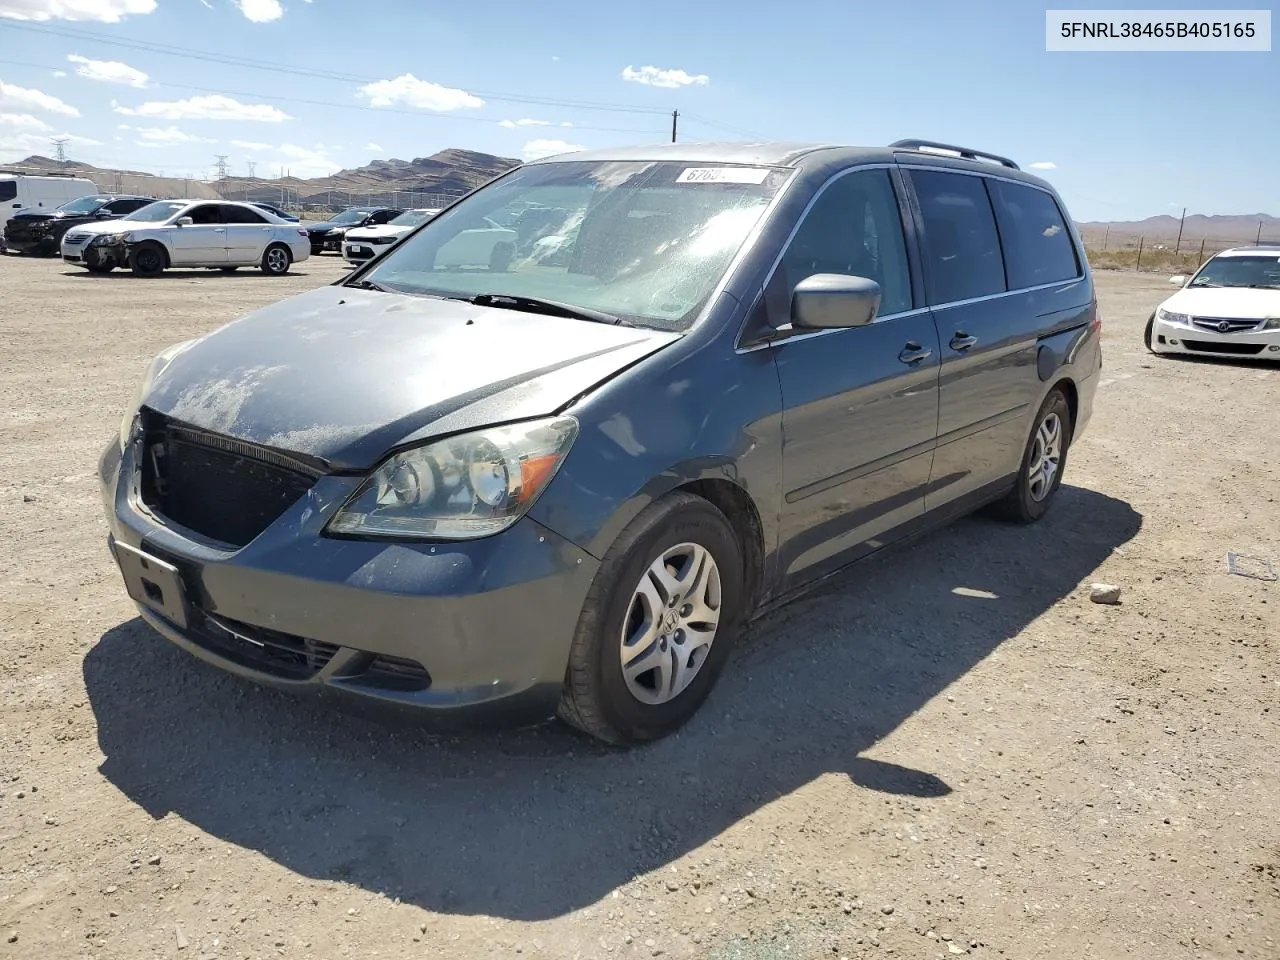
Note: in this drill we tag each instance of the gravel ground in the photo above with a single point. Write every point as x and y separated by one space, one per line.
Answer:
948 751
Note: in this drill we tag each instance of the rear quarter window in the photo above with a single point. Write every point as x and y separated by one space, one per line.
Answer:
8 190
1038 248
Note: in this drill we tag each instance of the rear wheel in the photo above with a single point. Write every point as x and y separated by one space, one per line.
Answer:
147 259
275 262
658 623
1043 461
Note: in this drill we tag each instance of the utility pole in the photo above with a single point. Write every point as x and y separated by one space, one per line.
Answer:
1258 240
221 165
1177 246
60 148
675 116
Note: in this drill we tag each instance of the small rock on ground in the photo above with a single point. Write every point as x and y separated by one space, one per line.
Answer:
1104 593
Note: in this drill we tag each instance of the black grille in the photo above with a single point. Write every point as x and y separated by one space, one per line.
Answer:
1239 349
219 487
1216 324
396 673
281 654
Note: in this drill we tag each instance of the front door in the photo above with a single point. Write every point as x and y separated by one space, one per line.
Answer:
860 404
204 241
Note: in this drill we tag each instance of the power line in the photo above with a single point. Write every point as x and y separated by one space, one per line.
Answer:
186 53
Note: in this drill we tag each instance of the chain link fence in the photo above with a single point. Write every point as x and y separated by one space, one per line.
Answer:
1162 254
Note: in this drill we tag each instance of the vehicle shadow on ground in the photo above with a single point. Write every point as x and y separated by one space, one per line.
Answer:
124 273
533 824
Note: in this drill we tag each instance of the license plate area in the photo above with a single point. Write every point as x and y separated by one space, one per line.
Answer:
153 583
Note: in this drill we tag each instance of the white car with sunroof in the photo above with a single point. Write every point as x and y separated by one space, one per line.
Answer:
1229 308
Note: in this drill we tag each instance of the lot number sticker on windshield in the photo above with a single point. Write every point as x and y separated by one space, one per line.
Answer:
723 175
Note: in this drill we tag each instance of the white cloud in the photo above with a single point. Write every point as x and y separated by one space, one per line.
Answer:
313 161
165 137
535 149
410 91
555 59
251 145
260 11
59 74
20 145
24 121
375 147
108 71
1043 165
210 107
12 95
102 11
668 79
524 122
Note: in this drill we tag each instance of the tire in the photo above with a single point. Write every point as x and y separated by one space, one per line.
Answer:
98 263
147 260
1146 334
597 698
276 260
1029 500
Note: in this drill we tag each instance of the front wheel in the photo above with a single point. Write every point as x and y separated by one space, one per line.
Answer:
1044 459
275 262
95 261
147 260
658 623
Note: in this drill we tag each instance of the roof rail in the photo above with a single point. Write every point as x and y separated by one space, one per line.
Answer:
963 152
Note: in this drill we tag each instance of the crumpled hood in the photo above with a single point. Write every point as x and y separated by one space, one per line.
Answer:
111 226
378 230
343 374
1239 303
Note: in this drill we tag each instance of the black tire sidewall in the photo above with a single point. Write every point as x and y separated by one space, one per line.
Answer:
266 264
1032 509
698 522
1148 332
136 259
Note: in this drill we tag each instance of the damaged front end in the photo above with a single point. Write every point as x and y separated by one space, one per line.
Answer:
103 251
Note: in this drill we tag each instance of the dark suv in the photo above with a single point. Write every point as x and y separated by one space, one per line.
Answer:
328 235
40 232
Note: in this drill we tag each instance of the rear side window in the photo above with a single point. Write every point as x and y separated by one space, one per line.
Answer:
8 190
128 206
231 214
961 242
1037 245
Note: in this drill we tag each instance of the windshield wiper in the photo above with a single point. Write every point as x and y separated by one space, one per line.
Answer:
370 285
555 308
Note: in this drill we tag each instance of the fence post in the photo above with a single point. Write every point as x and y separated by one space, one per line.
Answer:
1105 237
1201 250
1138 265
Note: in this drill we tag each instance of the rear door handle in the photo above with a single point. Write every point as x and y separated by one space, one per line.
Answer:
962 341
914 353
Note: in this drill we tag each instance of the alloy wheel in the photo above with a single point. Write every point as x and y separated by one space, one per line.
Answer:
671 623
1046 454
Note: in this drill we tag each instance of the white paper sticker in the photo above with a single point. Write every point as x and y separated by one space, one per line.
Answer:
723 175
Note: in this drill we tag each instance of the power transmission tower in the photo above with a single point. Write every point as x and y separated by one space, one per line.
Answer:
221 165
60 148
252 169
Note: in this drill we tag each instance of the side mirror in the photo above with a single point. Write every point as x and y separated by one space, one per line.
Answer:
104 215
827 300
1180 279
185 221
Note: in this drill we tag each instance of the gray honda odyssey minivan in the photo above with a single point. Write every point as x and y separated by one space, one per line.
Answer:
553 449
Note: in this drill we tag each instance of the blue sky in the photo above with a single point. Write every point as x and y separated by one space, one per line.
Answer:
1128 134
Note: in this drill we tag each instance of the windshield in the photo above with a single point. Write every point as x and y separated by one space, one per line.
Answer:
411 218
350 216
1251 271
83 205
647 242
156 212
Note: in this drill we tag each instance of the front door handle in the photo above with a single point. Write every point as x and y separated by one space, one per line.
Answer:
914 353
962 341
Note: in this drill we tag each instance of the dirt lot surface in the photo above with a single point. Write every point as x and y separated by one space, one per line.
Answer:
890 767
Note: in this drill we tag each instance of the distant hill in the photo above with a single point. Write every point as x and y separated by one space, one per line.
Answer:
1241 228
425 180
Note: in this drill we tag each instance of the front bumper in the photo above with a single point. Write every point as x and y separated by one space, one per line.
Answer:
467 633
32 244
358 251
1189 339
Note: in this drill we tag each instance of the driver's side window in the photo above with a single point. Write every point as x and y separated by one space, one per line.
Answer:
854 228
205 214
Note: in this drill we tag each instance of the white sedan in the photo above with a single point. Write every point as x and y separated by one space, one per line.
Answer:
364 243
1229 308
189 233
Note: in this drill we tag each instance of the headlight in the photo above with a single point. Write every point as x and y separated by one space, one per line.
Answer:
1168 317
1272 323
459 488
154 369
104 238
